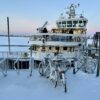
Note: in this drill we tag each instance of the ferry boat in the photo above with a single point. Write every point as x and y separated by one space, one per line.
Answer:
68 37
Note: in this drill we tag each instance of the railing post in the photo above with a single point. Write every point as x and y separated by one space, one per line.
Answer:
30 62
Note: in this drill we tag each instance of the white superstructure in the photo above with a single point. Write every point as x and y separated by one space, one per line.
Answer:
69 35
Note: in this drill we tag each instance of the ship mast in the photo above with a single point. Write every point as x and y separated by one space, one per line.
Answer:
72 12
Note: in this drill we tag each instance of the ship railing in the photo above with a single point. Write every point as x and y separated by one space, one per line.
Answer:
62 38
55 43
37 55
6 54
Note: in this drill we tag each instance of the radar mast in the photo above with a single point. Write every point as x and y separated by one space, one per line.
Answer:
72 10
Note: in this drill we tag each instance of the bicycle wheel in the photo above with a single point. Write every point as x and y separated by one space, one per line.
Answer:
80 63
47 72
91 66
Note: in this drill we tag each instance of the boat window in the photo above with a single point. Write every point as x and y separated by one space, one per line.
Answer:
63 38
67 38
59 22
84 23
55 38
43 48
74 23
64 48
80 23
71 31
69 23
49 48
57 48
34 47
64 22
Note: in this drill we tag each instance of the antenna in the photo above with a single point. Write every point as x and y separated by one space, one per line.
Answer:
83 12
72 10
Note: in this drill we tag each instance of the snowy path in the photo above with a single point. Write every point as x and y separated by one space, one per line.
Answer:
80 87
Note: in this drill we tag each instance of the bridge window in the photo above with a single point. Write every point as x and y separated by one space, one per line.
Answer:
81 23
64 22
84 23
74 23
69 23
59 22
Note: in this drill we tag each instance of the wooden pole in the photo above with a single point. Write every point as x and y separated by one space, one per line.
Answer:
8 34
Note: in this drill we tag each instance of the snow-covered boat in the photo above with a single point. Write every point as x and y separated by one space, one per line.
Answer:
68 37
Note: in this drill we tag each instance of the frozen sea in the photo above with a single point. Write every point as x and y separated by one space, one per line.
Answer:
14 41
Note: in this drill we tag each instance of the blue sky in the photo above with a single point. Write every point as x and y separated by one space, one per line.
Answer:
26 15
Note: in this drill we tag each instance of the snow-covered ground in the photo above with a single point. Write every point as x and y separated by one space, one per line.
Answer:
21 87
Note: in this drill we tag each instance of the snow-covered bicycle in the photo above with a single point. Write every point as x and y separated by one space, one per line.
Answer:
54 70
44 68
86 64
57 73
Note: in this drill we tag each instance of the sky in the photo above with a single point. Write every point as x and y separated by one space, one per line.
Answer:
26 15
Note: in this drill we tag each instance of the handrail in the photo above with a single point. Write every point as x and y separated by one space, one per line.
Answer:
6 54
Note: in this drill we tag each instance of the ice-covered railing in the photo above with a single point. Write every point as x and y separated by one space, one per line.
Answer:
5 54
58 37
3 66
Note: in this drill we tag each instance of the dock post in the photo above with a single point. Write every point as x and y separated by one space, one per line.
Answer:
30 63
98 67
8 34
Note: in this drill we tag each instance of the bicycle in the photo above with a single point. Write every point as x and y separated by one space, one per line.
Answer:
86 64
53 69
44 68
57 74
